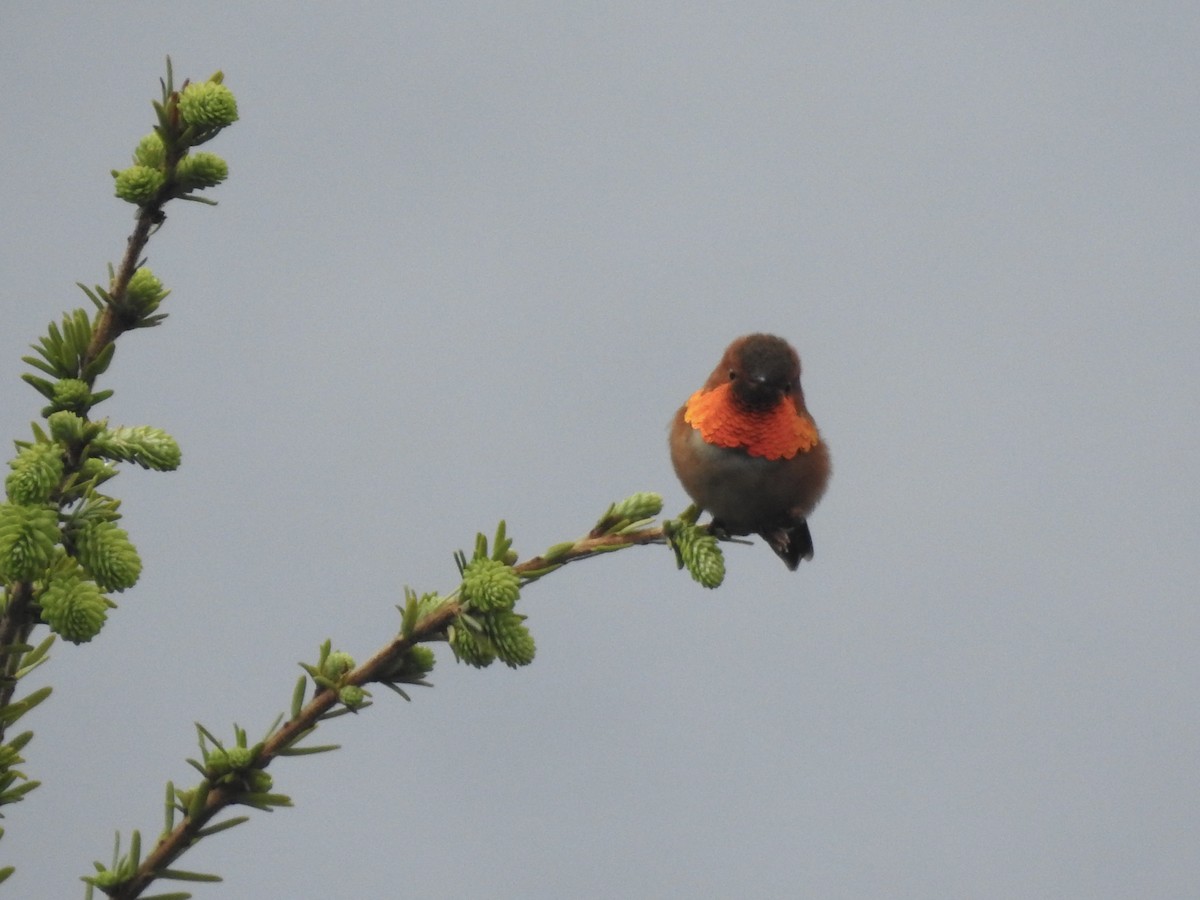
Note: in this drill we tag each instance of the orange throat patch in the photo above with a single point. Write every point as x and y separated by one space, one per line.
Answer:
779 433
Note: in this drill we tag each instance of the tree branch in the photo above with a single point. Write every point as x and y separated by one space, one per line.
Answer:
432 627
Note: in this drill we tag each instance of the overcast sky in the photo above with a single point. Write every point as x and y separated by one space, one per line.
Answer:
470 259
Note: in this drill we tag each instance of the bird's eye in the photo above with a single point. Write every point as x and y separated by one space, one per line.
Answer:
732 375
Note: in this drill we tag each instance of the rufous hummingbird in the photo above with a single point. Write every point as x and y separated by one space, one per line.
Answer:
747 450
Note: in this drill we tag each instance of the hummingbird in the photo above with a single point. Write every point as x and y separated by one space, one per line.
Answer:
747 450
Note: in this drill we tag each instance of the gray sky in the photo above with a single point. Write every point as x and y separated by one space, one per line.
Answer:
470 259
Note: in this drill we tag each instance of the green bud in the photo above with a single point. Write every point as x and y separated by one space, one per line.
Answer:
701 554
201 170
414 664
510 638
66 427
337 664
709 565
72 394
144 292
150 448
73 608
489 584
474 650
28 536
216 761
258 781
105 552
208 104
150 152
642 505
630 513
352 695
239 758
428 604
418 660
139 184
36 472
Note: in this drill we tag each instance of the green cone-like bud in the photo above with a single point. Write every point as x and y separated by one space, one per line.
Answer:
701 554
630 513
73 608
208 105
28 535
201 170
352 695
105 552
489 584
66 427
511 639
139 184
72 394
150 151
642 505
429 603
239 757
414 664
144 292
36 472
336 665
258 781
149 447
216 761
474 650
418 661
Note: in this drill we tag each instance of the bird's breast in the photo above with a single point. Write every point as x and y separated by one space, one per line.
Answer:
748 493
